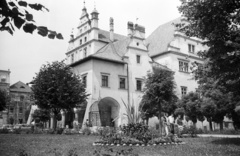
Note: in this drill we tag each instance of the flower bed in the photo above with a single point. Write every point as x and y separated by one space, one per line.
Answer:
134 135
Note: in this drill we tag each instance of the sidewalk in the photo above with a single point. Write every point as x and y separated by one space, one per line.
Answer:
218 135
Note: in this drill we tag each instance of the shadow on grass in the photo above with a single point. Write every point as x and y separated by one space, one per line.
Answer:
227 141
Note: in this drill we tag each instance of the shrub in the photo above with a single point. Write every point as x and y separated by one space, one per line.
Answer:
67 131
192 131
4 131
86 131
59 130
17 131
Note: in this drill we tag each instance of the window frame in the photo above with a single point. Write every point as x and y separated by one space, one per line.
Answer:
84 76
138 59
191 48
125 82
105 82
183 90
141 83
183 66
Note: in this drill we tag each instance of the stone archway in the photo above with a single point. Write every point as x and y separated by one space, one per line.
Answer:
103 112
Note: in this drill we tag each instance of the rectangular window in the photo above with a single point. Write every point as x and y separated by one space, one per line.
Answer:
138 58
191 48
104 80
84 80
122 83
11 110
183 90
85 39
80 42
20 110
85 52
3 80
139 85
183 66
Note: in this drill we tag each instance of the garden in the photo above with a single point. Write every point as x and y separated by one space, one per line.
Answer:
132 139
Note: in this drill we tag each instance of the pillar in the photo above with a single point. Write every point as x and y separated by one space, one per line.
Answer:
4 116
63 118
52 121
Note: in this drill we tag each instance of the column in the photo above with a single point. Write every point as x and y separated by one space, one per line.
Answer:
4 116
63 118
52 121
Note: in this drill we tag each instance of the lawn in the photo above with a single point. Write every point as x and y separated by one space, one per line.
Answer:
63 145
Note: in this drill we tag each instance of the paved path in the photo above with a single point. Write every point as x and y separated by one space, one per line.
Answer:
219 135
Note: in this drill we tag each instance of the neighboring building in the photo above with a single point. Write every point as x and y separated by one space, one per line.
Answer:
112 66
4 85
175 50
5 79
169 47
20 94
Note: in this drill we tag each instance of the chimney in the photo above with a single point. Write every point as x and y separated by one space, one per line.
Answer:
141 30
130 28
111 29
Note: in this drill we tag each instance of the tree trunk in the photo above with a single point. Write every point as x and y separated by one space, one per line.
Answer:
221 125
160 119
210 124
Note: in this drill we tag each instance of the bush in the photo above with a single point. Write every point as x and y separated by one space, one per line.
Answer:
192 131
4 131
59 130
86 131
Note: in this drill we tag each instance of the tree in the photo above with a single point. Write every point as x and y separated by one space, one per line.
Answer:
217 23
15 14
3 99
159 95
191 103
41 115
57 88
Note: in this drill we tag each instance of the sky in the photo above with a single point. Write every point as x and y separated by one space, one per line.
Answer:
24 54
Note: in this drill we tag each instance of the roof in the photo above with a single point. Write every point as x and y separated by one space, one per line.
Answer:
104 35
160 38
20 87
114 50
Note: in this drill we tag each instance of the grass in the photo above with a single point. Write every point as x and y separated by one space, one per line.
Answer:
60 145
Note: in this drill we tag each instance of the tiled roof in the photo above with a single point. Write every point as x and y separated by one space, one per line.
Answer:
104 35
160 38
20 87
114 50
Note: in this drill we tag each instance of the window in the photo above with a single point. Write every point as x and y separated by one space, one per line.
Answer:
21 98
183 66
138 58
104 80
80 31
11 110
85 28
122 83
3 80
191 48
139 85
85 39
81 42
20 110
85 52
137 44
183 90
72 58
84 80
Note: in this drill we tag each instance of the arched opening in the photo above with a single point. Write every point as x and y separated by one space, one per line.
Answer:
103 112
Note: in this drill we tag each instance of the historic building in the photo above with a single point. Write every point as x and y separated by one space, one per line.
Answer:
20 102
175 50
4 85
112 67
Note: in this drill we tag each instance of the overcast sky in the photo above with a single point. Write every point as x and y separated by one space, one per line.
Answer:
24 54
